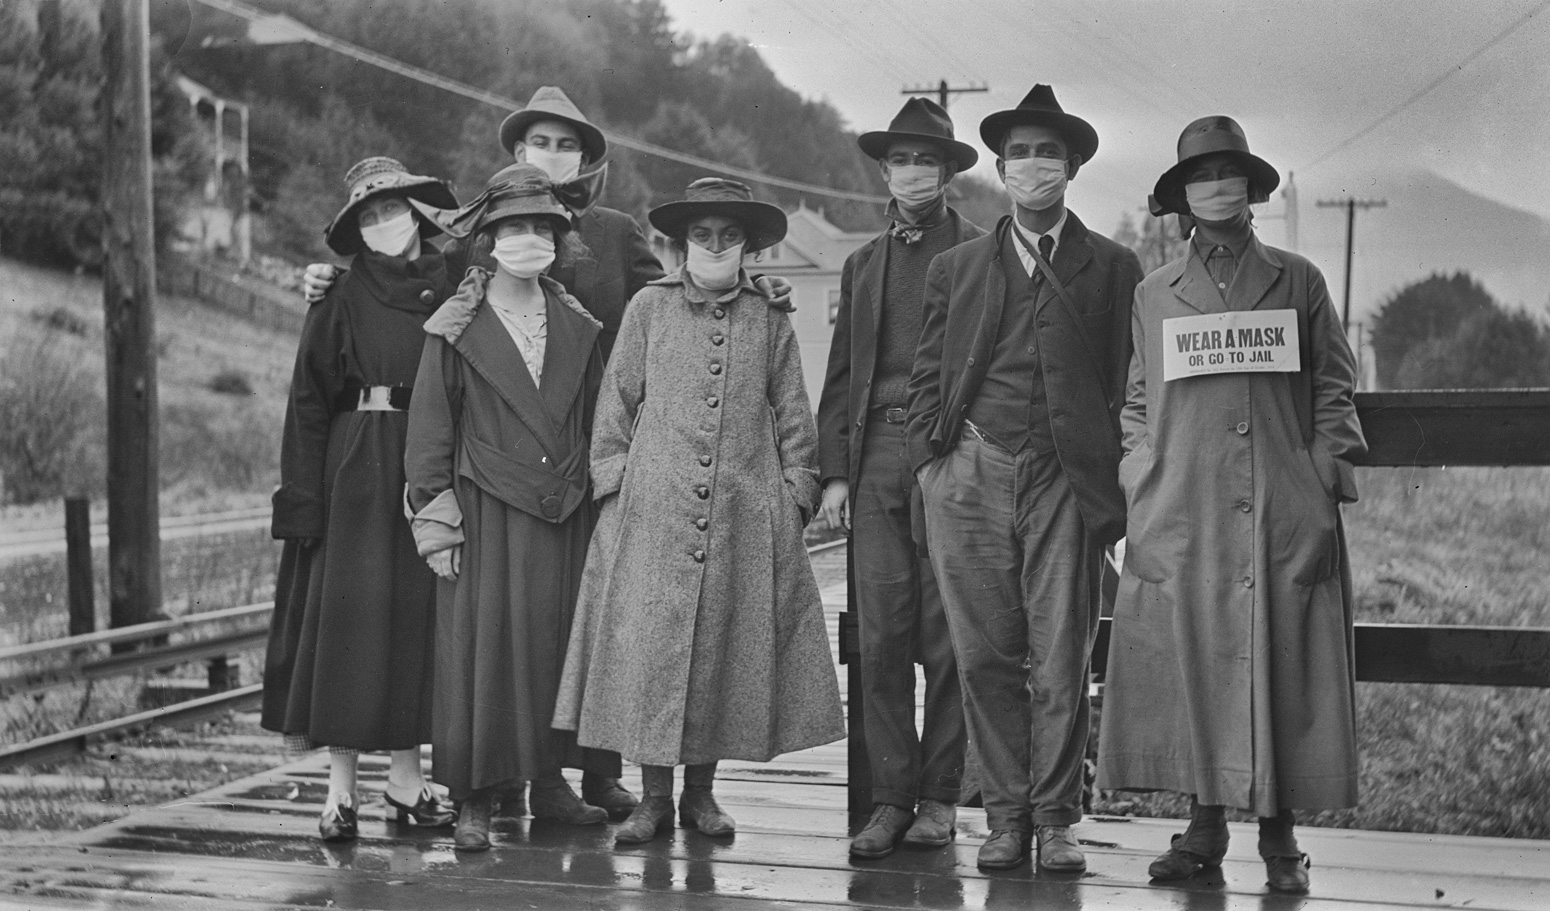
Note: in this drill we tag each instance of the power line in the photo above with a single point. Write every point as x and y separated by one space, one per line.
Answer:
409 71
1427 89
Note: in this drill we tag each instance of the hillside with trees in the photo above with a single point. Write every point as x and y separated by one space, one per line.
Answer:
1448 332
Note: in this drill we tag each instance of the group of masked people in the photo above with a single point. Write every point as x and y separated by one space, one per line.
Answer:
547 512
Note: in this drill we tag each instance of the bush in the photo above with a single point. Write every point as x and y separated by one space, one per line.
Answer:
230 382
51 415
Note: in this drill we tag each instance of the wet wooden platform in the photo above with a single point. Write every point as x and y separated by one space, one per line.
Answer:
252 845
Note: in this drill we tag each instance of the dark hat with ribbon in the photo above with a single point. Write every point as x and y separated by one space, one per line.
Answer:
1040 108
765 224
1217 134
381 176
518 189
920 120
551 103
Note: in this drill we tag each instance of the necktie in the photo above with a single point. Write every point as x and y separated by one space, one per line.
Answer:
1046 246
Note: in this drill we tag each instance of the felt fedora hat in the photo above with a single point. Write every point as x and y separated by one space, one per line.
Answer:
517 189
380 176
921 120
1217 134
551 103
1039 108
765 224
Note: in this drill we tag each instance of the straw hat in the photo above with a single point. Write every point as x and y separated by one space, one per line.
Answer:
381 176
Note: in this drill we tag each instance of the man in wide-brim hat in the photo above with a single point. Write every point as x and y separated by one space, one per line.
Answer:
870 490
1231 677
1013 432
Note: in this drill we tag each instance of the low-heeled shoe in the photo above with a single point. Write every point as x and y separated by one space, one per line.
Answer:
650 818
881 833
1004 849
1288 875
559 803
933 825
473 823
697 809
339 823
1058 852
427 810
1182 863
610 796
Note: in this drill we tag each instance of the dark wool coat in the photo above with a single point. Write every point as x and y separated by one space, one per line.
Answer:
700 634
847 385
501 464
350 644
1085 357
1231 666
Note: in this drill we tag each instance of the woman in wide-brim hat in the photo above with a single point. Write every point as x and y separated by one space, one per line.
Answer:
349 659
699 631
497 482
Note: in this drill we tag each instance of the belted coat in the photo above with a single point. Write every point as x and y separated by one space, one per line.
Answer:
699 631
1084 354
1231 665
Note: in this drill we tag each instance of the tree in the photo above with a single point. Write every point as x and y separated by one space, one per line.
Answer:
1156 243
1491 349
1428 310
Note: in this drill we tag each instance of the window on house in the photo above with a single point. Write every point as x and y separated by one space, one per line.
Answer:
834 305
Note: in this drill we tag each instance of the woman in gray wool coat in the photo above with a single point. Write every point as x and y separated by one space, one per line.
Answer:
699 633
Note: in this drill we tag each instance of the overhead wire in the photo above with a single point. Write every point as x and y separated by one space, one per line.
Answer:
427 77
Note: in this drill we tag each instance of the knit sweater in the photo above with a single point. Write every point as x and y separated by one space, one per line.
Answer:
903 290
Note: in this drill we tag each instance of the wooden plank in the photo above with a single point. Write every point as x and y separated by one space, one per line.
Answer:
1495 427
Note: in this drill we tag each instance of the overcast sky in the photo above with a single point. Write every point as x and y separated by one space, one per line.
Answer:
1302 78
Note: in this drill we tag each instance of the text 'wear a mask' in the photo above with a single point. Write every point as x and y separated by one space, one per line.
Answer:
1035 183
524 255
714 271
1218 200
915 185
560 166
392 236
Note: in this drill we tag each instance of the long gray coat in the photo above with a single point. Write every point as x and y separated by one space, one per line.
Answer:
699 632
1231 668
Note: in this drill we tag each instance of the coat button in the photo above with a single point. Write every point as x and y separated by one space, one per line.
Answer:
550 506
1245 506
1242 428
427 296
715 368
699 556
713 401
704 461
702 492
701 524
719 313
1248 581
717 339
971 362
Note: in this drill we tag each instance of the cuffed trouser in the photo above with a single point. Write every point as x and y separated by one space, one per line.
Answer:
1019 578
902 623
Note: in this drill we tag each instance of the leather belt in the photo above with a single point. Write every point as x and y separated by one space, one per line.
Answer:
890 414
374 398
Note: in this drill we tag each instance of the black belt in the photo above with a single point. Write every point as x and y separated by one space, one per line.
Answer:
374 398
890 414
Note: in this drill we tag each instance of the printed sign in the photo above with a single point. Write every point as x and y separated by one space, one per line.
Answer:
1239 341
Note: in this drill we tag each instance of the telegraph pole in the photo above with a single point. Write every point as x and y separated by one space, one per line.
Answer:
129 307
1350 204
942 91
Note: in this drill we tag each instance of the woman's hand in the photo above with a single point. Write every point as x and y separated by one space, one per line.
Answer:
316 281
446 563
836 504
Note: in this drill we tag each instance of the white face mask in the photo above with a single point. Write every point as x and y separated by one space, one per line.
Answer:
1218 200
714 271
560 166
391 237
1035 183
524 255
915 186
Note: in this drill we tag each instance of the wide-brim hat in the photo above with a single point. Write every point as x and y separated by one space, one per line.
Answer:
1039 108
1217 134
518 189
551 103
381 176
922 120
763 223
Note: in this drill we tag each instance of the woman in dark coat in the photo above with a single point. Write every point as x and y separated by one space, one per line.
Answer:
699 632
497 470
349 660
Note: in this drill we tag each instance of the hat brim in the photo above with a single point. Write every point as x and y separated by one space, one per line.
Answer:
528 206
763 223
1169 191
876 144
514 127
343 234
1081 138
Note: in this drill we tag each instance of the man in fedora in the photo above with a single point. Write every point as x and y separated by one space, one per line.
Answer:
1013 432
869 488
1231 678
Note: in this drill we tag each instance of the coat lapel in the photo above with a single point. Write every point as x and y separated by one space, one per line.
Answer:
867 298
489 350
1195 288
566 353
1259 271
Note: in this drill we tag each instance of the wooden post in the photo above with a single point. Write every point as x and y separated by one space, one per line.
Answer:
83 608
129 302
858 764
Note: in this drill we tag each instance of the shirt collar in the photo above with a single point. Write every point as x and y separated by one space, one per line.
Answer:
1237 244
1033 239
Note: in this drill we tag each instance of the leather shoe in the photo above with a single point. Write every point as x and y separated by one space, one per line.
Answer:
511 800
1058 852
556 801
650 818
607 793
933 826
473 822
1288 875
1003 850
427 810
697 809
1196 854
878 837
339 822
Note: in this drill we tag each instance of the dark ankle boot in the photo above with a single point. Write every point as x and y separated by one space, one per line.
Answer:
473 822
608 794
1202 845
1286 867
650 818
697 808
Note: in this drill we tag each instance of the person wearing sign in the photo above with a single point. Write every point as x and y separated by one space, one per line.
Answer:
1230 675
869 489
1013 432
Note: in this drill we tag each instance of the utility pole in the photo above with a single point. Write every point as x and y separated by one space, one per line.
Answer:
943 91
129 308
1350 204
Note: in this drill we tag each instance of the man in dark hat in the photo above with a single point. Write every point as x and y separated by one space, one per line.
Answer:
869 488
1013 433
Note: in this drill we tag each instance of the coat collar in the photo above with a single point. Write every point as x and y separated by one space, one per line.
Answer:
1071 256
401 283
1257 273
